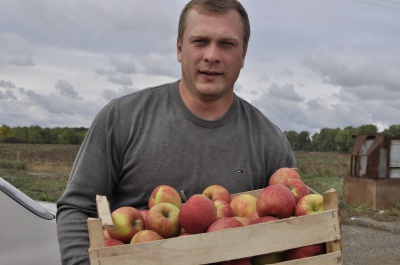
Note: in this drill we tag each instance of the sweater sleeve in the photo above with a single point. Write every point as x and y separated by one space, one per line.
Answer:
94 172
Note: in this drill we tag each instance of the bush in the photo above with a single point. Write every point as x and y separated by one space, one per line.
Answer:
13 164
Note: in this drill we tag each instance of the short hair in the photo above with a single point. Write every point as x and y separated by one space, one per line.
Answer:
215 7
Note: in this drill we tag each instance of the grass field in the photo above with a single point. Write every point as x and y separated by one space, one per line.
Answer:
42 171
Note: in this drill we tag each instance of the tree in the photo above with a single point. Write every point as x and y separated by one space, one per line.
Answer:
4 132
292 138
344 139
367 129
324 141
303 141
393 130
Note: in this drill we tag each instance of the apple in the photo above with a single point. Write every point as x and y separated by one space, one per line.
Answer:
145 236
270 258
224 223
283 173
242 261
223 208
165 193
113 242
217 192
243 205
309 204
276 200
244 220
196 215
185 234
144 214
264 219
163 219
306 251
127 222
296 186
254 216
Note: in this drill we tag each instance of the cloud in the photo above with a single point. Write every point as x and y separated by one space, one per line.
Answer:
120 79
123 63
66 89
285 92
161 64
6 84
109 94
15 50
355 73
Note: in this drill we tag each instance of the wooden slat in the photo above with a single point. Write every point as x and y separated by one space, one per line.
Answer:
226 244
103 212
331 201
96 235
333 258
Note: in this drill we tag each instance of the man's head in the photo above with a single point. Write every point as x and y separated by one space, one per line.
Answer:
215 7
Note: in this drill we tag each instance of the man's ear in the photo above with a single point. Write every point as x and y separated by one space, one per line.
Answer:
179 50
244 58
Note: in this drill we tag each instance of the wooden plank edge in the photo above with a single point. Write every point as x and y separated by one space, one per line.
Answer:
333 258
331 201
103 212
188 247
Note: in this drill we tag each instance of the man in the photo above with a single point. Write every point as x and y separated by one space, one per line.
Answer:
189 134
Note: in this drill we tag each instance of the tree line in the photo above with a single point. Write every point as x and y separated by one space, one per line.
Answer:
38 135
326 140
335 139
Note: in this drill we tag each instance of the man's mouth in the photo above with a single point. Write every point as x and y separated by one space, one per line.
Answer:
211 73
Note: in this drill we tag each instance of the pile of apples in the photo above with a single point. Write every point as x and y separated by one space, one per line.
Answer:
215 209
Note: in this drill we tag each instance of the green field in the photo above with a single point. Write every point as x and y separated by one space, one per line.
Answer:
42 171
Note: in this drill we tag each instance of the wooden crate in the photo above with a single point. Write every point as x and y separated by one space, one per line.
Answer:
227 244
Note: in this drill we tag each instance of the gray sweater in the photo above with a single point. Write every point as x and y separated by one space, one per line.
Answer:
149 138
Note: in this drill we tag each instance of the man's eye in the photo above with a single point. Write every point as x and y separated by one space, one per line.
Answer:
227 43
199 41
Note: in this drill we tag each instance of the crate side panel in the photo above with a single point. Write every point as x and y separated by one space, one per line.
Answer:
228 244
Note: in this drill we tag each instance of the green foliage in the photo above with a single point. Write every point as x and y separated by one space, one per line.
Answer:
393 130
38 135
12 164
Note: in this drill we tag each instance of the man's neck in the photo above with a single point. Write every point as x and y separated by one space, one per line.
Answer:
206 108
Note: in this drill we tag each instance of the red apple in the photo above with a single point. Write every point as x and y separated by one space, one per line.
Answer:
270 258
185 234
243 205
264 219
306 251
217 192
144 214
196 215
224 223
127 222
276 200
309 204
283 173
165 193
223 208
242 261
145 236
163 219
113 242
244 220
296 186
254 216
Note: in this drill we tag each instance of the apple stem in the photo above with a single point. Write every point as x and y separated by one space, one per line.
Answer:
183 195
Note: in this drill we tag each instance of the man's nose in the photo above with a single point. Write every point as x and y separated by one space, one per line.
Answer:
212 54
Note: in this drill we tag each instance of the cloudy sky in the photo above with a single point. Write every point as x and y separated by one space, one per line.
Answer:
311 64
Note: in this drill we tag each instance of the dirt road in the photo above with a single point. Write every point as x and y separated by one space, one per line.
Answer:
369 242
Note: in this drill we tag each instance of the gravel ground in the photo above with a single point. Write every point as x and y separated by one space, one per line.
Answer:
369 242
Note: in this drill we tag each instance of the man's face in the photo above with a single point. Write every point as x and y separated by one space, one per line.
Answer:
211 54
